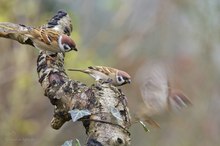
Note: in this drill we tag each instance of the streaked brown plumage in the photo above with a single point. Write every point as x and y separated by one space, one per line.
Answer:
49 40
117 77
52 37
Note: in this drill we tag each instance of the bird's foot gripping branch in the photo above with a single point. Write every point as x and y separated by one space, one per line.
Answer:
102 107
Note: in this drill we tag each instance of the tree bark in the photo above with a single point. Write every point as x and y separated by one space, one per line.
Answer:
109 120
102 127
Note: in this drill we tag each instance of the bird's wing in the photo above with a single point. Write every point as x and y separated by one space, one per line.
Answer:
60 22
103 69
47 36
154 88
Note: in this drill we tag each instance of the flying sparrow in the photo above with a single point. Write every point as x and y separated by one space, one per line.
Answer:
115 76
157 93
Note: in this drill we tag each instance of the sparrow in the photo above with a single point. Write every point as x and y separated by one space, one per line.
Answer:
158 94
51 37
115 76
48 39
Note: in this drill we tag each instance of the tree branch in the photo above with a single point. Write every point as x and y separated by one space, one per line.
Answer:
109 120
102 127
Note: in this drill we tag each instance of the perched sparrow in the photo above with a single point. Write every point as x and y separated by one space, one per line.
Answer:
52 37
117 77
49 40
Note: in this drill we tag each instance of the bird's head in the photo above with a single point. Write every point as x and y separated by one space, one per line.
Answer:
66 44
123 78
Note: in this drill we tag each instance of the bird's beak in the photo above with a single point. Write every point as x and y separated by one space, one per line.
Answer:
129 81
75 49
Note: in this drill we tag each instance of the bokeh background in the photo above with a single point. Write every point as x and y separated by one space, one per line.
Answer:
125 34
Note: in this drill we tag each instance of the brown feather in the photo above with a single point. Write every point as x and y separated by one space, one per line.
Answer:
178 100
44 37
103 69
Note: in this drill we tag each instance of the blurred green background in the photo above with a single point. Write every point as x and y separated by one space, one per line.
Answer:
124 34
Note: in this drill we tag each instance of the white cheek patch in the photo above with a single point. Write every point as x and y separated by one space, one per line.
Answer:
120 80
66 48
60 44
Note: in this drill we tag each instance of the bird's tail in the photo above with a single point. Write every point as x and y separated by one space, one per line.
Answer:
178 100
80 70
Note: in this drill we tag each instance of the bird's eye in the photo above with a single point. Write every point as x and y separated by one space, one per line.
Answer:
66 48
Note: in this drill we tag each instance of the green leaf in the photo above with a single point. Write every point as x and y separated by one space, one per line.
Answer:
116 113
144 126
76 114
77 143
68 143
